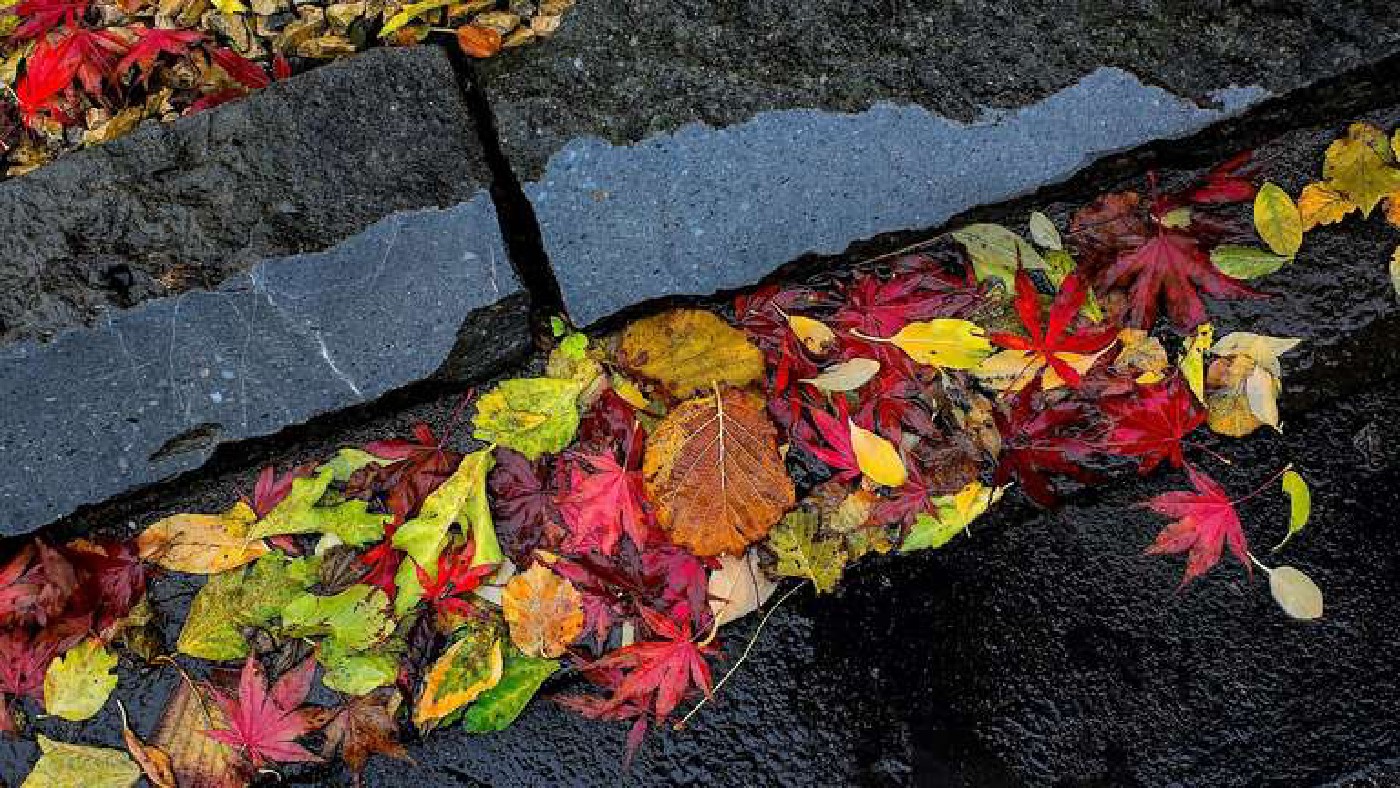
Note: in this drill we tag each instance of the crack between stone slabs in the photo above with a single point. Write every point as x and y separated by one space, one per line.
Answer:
520 229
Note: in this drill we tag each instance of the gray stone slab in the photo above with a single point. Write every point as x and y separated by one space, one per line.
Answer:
704 209
294 168
152 391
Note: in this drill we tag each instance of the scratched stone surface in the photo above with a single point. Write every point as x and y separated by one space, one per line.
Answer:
152 391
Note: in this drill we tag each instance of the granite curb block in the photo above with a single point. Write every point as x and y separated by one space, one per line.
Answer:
296 167
154 390
701 209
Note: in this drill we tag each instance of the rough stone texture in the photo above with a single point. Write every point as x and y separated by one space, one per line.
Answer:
153 390
703 210
692 210
295 168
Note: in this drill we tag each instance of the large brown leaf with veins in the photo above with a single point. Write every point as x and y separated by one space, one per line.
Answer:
713 469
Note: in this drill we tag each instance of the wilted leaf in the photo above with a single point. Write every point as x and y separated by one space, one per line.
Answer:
815 335
352 620
410 12
544 612
1318 204
1044 232
241 598
1144 354
364 727
1265 350
460 499
801 553
942 342
496 708
878 459
64 765
1227 399
951 516
1296 593
153 761
713 468
738 587
197 760
1299 504
478 41
689 351
202 544
1244 383
531 415
1277 220
1245 262
78 683
997 252
846 376
469 667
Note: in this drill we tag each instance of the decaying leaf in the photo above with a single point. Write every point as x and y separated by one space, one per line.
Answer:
878 459
202 544
738 587
479 41
197 760
469 667
1244 382
1296 593
496 708
1299 504
846 376
460 499
242 598
1318 204
1277 220
63 765
544 612
713 468
531 415
951 516
78 683
689 351
365 727
154 762
803 553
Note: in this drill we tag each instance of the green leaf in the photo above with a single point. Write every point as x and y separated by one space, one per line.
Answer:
352 620
350 521
1044 232
530 415
496 708
78 683
242 598
1299 504
996 251
64 765
460 499
1058 266
952 514
358 674
410 12
802 554
469 667
348 460
1245 262
410 590
1277 220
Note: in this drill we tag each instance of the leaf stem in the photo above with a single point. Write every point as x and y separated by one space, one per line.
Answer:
1277 475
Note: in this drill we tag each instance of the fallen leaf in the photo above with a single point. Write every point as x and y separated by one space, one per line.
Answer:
878 459
1245 262
496 708
1360 169
1143 354
242 598
531 415
689 351
78 683
300 512
478 41
265 722
365 727
154 762
544 612
803 553
469 667
738 587
202 544
997 252
942 342
64 765
815 335
410 12
1395 270
1054 346
353 620
1228 408
1205 522
713 468
460 499
197 760
1296 593
1277 220
1044 232
1193 359
845 376
1299 504
952 514
1318 205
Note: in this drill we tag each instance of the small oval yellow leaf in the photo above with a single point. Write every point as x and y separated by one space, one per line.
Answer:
815 334
877 457
1296 593
1277 220
944 342
846 376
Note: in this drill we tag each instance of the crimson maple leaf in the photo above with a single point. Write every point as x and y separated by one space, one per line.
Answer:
47 73
270 488
1150 423
240 69
41 16
1037 441
1207 521
762 314
265 725
523 506
602 499
93 53
422 465
152 42
880 308
830 442
1229 181
664 577
1172 267
1046 346
456 577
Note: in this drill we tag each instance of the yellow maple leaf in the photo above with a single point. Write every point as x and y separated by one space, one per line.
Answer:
1359 167
1317 204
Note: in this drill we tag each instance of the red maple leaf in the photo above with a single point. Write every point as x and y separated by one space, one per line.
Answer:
456 577
47 73
523 506
1230 181
422 465
152 42
611 425
1039 439
265 725
1171 267
93 53
1150 422
602 499
877 307
664 577
383 561
240 69
1047 345
270 488
1207 521
762 314
830 441
41 16
650 678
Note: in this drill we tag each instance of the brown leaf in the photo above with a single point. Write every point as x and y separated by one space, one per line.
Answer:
197 760
478 41
713 467
202 544
544 611
154 761
688 351
363 727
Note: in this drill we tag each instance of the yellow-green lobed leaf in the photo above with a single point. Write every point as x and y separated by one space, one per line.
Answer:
531 415
802 553
460 499
63 765
78 683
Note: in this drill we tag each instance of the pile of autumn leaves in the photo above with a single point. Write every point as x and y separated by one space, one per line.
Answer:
653 485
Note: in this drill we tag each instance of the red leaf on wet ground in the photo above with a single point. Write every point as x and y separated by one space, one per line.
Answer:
1206 522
